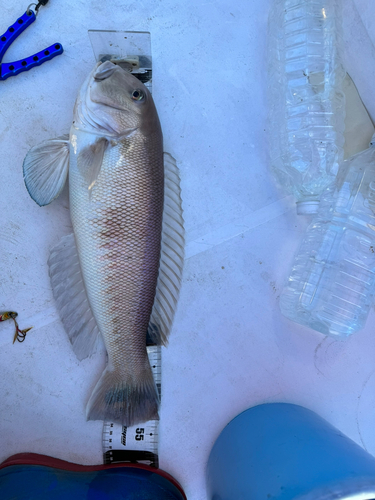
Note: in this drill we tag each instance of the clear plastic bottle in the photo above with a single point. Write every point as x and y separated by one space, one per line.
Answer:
332 283
306 101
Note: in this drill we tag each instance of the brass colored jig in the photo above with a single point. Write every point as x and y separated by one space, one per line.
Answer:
19 335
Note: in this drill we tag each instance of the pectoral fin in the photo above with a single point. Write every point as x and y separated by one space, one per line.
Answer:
45 169
90 161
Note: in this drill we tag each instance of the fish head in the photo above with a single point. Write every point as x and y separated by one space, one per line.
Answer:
115 103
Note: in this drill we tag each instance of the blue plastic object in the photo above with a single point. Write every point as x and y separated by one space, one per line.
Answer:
282 451
14 68
29 476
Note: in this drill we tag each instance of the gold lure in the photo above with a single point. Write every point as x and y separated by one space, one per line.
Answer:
19 335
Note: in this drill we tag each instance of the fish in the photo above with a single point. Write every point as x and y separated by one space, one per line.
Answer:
118 275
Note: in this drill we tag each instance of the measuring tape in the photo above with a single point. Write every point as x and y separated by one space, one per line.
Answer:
138 443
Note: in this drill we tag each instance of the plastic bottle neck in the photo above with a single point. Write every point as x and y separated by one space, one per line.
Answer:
307 207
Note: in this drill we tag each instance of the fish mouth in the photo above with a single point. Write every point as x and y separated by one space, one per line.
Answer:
91 76
85 118
95 111
84 90
104 70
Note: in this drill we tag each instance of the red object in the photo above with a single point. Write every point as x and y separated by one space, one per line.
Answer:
56 463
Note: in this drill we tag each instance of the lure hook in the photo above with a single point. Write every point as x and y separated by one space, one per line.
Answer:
19 334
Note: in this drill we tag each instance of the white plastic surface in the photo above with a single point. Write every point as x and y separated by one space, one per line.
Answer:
230 347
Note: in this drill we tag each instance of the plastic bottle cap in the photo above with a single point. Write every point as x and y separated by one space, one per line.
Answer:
307 207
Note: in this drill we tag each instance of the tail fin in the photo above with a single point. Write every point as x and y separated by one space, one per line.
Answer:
126 401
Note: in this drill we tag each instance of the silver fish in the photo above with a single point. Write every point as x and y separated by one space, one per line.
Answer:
119 274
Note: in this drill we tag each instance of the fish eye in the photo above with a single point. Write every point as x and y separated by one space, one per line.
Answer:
137 95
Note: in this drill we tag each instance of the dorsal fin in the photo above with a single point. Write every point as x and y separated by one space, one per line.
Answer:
172 256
